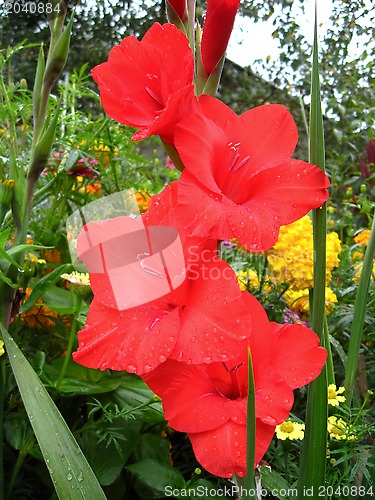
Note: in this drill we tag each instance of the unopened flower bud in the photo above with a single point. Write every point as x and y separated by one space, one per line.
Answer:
363 189
23 83
6 193
57 60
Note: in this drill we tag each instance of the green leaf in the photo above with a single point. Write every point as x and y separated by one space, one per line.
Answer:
274 482
59 300
201 489
134 395
81 380
151 446
4 237
108 459
43 285
70 472
157 476
24 247
313 459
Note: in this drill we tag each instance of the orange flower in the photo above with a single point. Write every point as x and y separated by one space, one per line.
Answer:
40 316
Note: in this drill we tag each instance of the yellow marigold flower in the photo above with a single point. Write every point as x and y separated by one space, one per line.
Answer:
338 429
40 315
358 270
334 398
298 300
362 238
290 430
291 258
357 256
143 200
1 348
247 277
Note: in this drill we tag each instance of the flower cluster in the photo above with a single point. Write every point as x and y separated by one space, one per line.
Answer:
291 258
166 306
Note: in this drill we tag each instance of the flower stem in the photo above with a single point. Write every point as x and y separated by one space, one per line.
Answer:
73 330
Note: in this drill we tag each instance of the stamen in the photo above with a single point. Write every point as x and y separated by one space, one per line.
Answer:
154 96
242 163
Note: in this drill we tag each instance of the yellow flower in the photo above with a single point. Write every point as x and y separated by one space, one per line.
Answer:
298 300
291 258
290 430
77 278
358 270
362 238
334 398
1 348
81 281
143 200
248 277
338 429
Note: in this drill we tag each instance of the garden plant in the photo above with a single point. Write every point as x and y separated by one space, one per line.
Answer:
186 300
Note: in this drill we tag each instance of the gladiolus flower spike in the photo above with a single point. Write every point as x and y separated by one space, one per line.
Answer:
209 401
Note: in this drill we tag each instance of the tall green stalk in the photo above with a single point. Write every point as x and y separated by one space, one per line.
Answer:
247 484
313 460
360 307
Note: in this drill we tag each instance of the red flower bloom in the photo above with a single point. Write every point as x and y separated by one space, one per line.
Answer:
217 29
239 179
148 307
148 84
209 401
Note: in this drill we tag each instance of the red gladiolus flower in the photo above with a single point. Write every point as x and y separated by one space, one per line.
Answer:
179 6
209 401
148 84
239 179
217 29
147 307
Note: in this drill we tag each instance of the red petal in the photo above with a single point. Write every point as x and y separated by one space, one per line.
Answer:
222 451
203 148
217 29
139 77
200 211
136 340
297 356
178 105
191 401
214 317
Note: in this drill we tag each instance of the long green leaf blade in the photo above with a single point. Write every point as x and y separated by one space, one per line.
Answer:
70 472
313 460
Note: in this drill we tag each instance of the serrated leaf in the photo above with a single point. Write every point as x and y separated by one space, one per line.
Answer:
70 472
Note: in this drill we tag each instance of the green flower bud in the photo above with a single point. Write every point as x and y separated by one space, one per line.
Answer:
57 60
6 193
